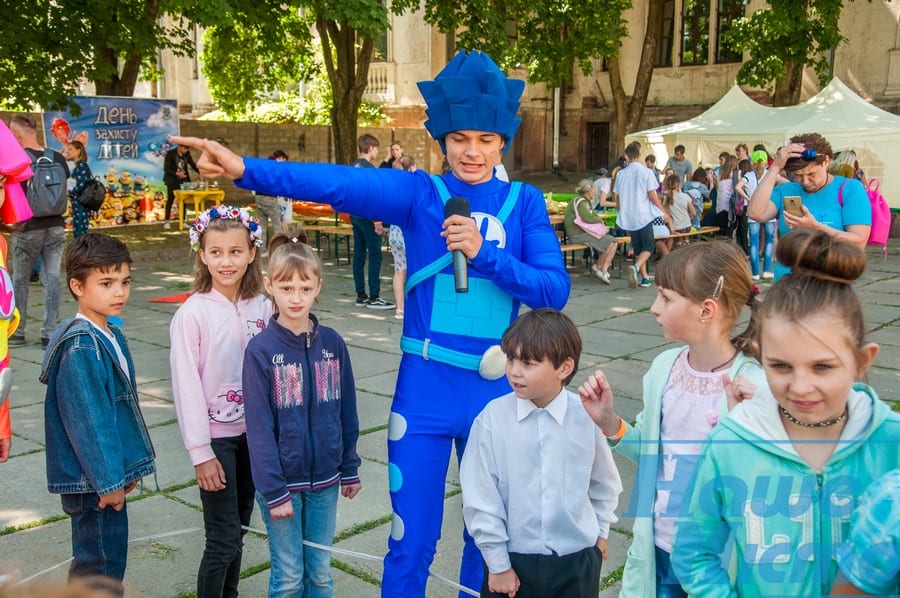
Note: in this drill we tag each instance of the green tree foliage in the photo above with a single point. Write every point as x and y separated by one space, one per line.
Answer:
246 62
309 103
275 51
548 37
784 38
47 46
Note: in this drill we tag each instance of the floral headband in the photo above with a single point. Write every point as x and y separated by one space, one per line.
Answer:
199 226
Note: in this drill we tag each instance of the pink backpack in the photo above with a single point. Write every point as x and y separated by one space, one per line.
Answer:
881 214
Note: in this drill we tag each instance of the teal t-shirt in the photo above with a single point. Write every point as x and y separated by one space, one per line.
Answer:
825 207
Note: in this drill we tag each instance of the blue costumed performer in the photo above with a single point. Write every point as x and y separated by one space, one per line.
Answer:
452 365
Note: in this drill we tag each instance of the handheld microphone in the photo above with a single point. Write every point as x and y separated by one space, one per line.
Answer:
459 206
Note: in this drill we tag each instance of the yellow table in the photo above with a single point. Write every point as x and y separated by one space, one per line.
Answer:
199 197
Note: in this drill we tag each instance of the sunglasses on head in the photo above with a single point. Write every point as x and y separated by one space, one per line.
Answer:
808 155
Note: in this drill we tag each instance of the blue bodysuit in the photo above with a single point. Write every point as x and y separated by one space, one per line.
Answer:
437 399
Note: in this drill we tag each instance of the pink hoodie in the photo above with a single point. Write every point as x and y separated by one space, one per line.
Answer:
208 336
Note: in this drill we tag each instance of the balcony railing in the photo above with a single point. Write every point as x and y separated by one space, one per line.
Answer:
381 88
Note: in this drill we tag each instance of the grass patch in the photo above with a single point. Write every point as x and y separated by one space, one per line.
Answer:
148 237
356 572
361 528
160 550
608 580
160 424
251 571
373 429
32 524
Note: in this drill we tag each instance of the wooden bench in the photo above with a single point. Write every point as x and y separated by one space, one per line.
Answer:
332 235
571 249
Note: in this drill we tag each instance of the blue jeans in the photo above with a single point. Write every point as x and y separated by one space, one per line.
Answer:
768 250
667 585
27 247
99 537
299 570
366 241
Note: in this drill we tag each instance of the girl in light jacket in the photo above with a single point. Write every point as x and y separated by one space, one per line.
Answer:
209 334
779 479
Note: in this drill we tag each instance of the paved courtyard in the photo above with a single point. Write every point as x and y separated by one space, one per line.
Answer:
619 335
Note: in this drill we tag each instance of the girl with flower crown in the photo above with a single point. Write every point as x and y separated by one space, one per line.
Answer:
209 335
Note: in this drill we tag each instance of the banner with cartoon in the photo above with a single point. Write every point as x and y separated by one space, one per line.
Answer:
126 143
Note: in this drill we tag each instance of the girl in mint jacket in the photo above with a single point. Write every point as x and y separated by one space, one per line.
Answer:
781 476
703 288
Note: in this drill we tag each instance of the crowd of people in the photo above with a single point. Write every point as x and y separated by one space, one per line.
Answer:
745 193
751 456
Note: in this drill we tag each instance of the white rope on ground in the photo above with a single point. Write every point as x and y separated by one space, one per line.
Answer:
332 549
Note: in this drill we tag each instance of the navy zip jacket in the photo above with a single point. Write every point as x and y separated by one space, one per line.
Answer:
300 406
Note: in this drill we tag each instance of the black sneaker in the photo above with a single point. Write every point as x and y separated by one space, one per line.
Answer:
361 300
379 303
44 342
17 340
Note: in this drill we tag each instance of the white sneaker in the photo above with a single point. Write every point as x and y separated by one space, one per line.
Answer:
768 275
603 276
755 277
167 226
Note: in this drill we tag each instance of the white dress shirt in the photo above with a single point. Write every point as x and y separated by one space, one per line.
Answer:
537 481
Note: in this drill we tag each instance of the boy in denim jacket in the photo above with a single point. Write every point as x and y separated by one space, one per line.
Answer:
97 443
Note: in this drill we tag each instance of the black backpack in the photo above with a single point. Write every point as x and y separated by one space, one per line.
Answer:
46 190
93 195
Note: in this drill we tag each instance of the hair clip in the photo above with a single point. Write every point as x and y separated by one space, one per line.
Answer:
718 290
201 223
294 239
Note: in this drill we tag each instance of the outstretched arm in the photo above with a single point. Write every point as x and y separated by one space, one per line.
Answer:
216 159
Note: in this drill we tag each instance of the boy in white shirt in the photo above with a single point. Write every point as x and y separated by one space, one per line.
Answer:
539 485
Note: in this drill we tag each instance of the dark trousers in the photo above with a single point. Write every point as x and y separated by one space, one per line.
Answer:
170 198
739 230
575 575
99 538
366 241
224 512
667 585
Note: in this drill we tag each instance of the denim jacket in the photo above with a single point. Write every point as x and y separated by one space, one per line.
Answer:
96 437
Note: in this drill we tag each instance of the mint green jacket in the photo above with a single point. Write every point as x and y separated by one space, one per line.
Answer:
641 444
756 503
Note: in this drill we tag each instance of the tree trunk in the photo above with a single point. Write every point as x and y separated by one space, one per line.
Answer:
348 71
630 109
125 75
787 90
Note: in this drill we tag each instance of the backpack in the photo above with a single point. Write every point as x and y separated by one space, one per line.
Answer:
881 214
46 190
92 195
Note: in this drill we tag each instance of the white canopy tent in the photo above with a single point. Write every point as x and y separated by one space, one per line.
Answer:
845 119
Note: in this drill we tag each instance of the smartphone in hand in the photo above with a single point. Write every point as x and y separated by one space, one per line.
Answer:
793 205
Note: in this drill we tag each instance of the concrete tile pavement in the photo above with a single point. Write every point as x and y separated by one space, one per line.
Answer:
619 336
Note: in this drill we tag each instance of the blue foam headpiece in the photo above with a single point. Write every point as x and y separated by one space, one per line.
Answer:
472 93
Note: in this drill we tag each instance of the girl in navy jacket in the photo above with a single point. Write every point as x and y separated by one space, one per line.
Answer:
302 424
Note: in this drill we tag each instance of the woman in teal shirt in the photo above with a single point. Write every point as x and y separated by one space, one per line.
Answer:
833 204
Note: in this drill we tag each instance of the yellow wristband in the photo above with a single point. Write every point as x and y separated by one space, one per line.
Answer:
621 432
